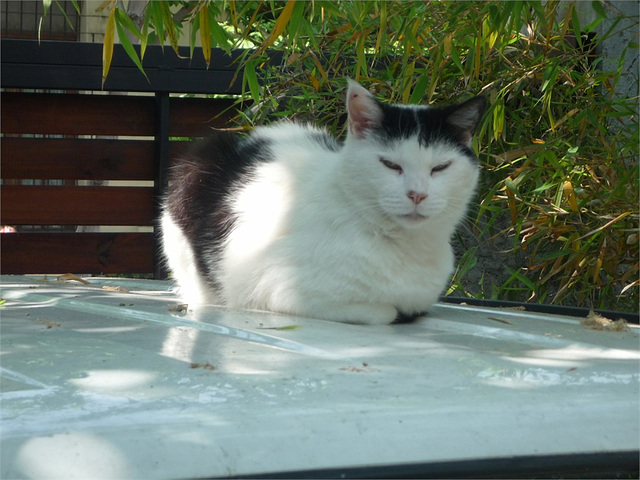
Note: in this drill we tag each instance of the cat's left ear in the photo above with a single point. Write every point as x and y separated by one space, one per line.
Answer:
363 110
464 118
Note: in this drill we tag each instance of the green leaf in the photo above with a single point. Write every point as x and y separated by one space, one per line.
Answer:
66 17
125 21
156 14
251 78
599 9
219 34
577 31
419 90
516 275
126 43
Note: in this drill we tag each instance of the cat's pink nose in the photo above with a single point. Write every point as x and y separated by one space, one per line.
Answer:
416 197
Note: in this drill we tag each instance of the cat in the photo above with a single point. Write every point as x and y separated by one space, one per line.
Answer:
289 219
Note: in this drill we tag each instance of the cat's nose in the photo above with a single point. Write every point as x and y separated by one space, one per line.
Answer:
416 197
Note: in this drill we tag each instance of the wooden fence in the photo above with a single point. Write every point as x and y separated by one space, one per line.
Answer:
77 159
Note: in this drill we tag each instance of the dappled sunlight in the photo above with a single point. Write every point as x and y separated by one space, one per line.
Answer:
114 381
74 455
530 378
570 365
108 329
581 353
179 343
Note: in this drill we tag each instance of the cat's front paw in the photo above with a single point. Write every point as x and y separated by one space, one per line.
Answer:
408 317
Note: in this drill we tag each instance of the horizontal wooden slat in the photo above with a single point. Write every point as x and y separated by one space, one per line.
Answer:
196 116
109 115
70 205
24 253
76 159
37 113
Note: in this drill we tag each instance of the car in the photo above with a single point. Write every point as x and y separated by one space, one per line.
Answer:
114 377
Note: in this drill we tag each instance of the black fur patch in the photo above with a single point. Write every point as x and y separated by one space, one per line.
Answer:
430 124
200 184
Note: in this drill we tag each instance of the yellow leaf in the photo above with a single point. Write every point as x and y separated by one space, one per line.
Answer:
104 5
314 82
170 28
570 194
107 47
511 201
448 44
205 34
280 25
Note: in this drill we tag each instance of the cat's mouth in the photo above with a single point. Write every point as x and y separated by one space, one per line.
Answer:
414 217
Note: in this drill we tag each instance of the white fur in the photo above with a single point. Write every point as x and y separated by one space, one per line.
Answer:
334 235
181 261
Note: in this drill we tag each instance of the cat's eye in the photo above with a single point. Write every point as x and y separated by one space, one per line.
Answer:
391 165
440 168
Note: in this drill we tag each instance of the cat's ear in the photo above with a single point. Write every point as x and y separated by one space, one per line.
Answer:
363 110
464 118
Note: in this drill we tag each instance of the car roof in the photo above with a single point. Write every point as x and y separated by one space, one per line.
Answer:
117 378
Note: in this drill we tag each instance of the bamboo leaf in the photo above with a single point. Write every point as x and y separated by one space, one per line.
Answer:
205 33
156 14
419 90
219 34
125 21
126 43
167 19
107 46
448 44
66 17
195 29
281 24
296 20
382 28
570 195
251 78
103 6
145 32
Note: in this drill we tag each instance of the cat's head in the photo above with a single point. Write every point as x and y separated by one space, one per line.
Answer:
411 163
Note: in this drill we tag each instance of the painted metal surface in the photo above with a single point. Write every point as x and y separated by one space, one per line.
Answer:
104 383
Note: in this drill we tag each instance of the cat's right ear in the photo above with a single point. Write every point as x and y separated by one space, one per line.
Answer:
363 110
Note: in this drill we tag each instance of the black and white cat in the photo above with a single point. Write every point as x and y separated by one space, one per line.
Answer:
288 219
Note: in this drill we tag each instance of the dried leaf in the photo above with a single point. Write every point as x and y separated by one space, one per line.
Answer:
205 34
170 28
115 289
47 323
72 277
206 366
598 322
180 307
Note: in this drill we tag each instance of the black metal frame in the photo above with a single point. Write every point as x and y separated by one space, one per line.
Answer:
78 66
